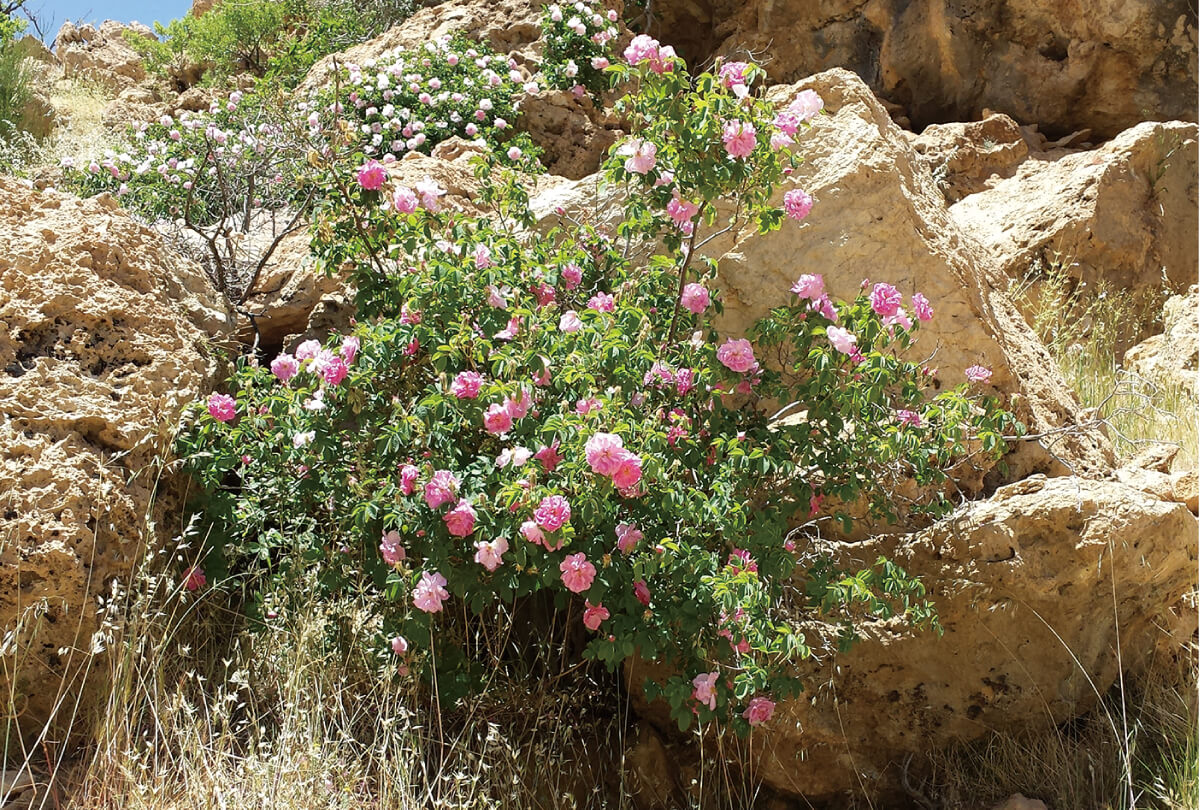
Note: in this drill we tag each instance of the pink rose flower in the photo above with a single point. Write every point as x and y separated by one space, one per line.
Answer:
739 138
641 48
440 489
308 350
628 536
483 257
841 339
806 104
577 572
694 298
979 374
466 384
809 286
797 203
549 457
284 367
553 513
640 155
489 554
570 322
194 579
335 370
350 347
460 520
399 645
605 453
517 408
922 307
533 533
585 406
429 190
222 407
641 592
885 299
371 175
681 211
602 302
759 711
910 418
496 420
404 200
705 689
629 472
594 615
572 276
737 355
430 592
408 479
733 73
390 548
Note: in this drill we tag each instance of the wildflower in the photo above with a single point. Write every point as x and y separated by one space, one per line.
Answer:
552 513
922 307
739 138
496 420
430 592
640 155
681 211
577 572
350 347
399 645
571 275
594 615
194 579
809 286
705 689
489 553
222 407
466 385
628 536
570 322
334 371
629 472
797 203
440 488
429 191
404 200
737 355
602 302
549 457
979 374
605 452
885 299
841 339
695 298
390 548
408 479
759 711
284 367
371 175
308 350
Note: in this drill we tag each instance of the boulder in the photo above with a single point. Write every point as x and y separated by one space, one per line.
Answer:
1124 213
962 157
1099 64
101 55
30 47
102 333
135 105
573 133
879 213
1173 357
1046 591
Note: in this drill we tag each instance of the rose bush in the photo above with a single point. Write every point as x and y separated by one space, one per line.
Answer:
518 414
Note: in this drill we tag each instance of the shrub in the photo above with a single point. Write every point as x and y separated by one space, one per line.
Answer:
14 79
578 45
517 415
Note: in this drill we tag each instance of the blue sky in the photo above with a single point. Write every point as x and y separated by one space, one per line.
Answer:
54 12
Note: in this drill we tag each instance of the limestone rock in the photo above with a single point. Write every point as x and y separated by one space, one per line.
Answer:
202 7
1172 358
1024 585
574 135
134 105
878 213
1099 64
30 47
102 55
1124 213
962 157
98 356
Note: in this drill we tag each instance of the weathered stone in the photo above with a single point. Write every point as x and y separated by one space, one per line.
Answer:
963 157
1035 587
1124 213
1099 64
1172 358
103 55
878 213
101 347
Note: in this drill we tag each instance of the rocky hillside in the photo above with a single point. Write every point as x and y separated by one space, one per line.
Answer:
969 150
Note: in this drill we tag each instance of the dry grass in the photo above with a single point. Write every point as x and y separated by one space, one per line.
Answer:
1087 332
80 132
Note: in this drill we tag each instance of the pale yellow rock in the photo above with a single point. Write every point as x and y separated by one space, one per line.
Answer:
101 55
1173 357
1100 64
1124 213
102 333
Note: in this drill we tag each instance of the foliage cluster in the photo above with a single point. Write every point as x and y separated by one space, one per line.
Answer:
556 415
280 39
